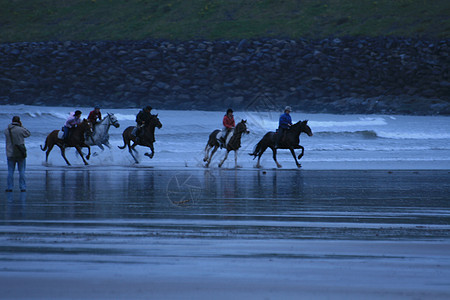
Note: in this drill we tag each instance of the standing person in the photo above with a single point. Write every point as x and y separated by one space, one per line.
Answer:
284 125
15 135
228 127
95 115
142 119
72 121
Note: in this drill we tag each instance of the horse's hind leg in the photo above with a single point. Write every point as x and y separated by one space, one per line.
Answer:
207 148
262 150
210 157
295 158
63 153
130 149
50 147
274 150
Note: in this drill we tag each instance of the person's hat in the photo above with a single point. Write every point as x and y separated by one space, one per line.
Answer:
148 107
229 110
287 108
77 113
97 107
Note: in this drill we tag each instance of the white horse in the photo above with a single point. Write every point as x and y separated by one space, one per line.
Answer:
100 135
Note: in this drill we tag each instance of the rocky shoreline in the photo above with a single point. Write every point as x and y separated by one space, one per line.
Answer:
336 75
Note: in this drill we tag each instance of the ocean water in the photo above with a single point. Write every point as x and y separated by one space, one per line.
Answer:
339 141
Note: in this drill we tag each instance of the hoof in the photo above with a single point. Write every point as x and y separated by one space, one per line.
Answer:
299 166
279 166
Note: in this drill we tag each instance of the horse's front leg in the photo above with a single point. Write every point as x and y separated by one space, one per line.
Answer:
89 150
295 158
63 154
81 154
235 159
153 151
303 151
225 158
274 150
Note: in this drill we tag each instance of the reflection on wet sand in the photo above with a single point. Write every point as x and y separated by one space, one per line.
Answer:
16 205
150 233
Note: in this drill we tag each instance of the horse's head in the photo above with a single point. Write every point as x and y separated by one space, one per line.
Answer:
305 128
155 122
241 127
113 120
86 127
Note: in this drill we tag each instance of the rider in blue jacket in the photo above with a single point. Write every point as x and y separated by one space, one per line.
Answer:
283 125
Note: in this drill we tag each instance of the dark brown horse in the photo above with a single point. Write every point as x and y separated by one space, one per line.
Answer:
233 145
147 139
75 139
290 141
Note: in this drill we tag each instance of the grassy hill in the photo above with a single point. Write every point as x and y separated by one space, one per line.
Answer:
44 20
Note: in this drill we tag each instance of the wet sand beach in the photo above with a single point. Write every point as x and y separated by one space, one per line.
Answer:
153 233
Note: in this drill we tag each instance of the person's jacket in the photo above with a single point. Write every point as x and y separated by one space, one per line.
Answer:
72 121
228 122
93 116
285 121
143 116
19 133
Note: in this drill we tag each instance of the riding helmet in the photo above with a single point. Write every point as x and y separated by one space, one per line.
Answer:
77 113
287 108
148 107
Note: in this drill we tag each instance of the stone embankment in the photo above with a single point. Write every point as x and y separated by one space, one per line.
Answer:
337 75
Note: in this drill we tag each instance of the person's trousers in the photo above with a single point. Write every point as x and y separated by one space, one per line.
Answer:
21 164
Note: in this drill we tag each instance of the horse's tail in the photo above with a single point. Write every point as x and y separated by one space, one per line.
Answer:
124 144
45 146
256 150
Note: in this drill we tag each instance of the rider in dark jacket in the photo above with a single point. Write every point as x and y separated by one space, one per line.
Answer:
142 119
284 125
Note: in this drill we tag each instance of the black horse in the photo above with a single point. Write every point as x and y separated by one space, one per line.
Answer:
233 145
290 141
76 139
147 139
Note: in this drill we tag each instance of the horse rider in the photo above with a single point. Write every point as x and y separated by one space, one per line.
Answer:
284 125
72 121
95 116
142 119
228 127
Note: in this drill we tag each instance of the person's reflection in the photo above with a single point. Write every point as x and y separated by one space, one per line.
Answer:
16 210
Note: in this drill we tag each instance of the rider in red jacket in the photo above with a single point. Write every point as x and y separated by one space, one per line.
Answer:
228 123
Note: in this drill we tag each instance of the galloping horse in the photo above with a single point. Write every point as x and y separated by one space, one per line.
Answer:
291 141
100 135
147 139
75 139
233 145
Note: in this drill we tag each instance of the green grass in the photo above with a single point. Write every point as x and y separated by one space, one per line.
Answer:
43 20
